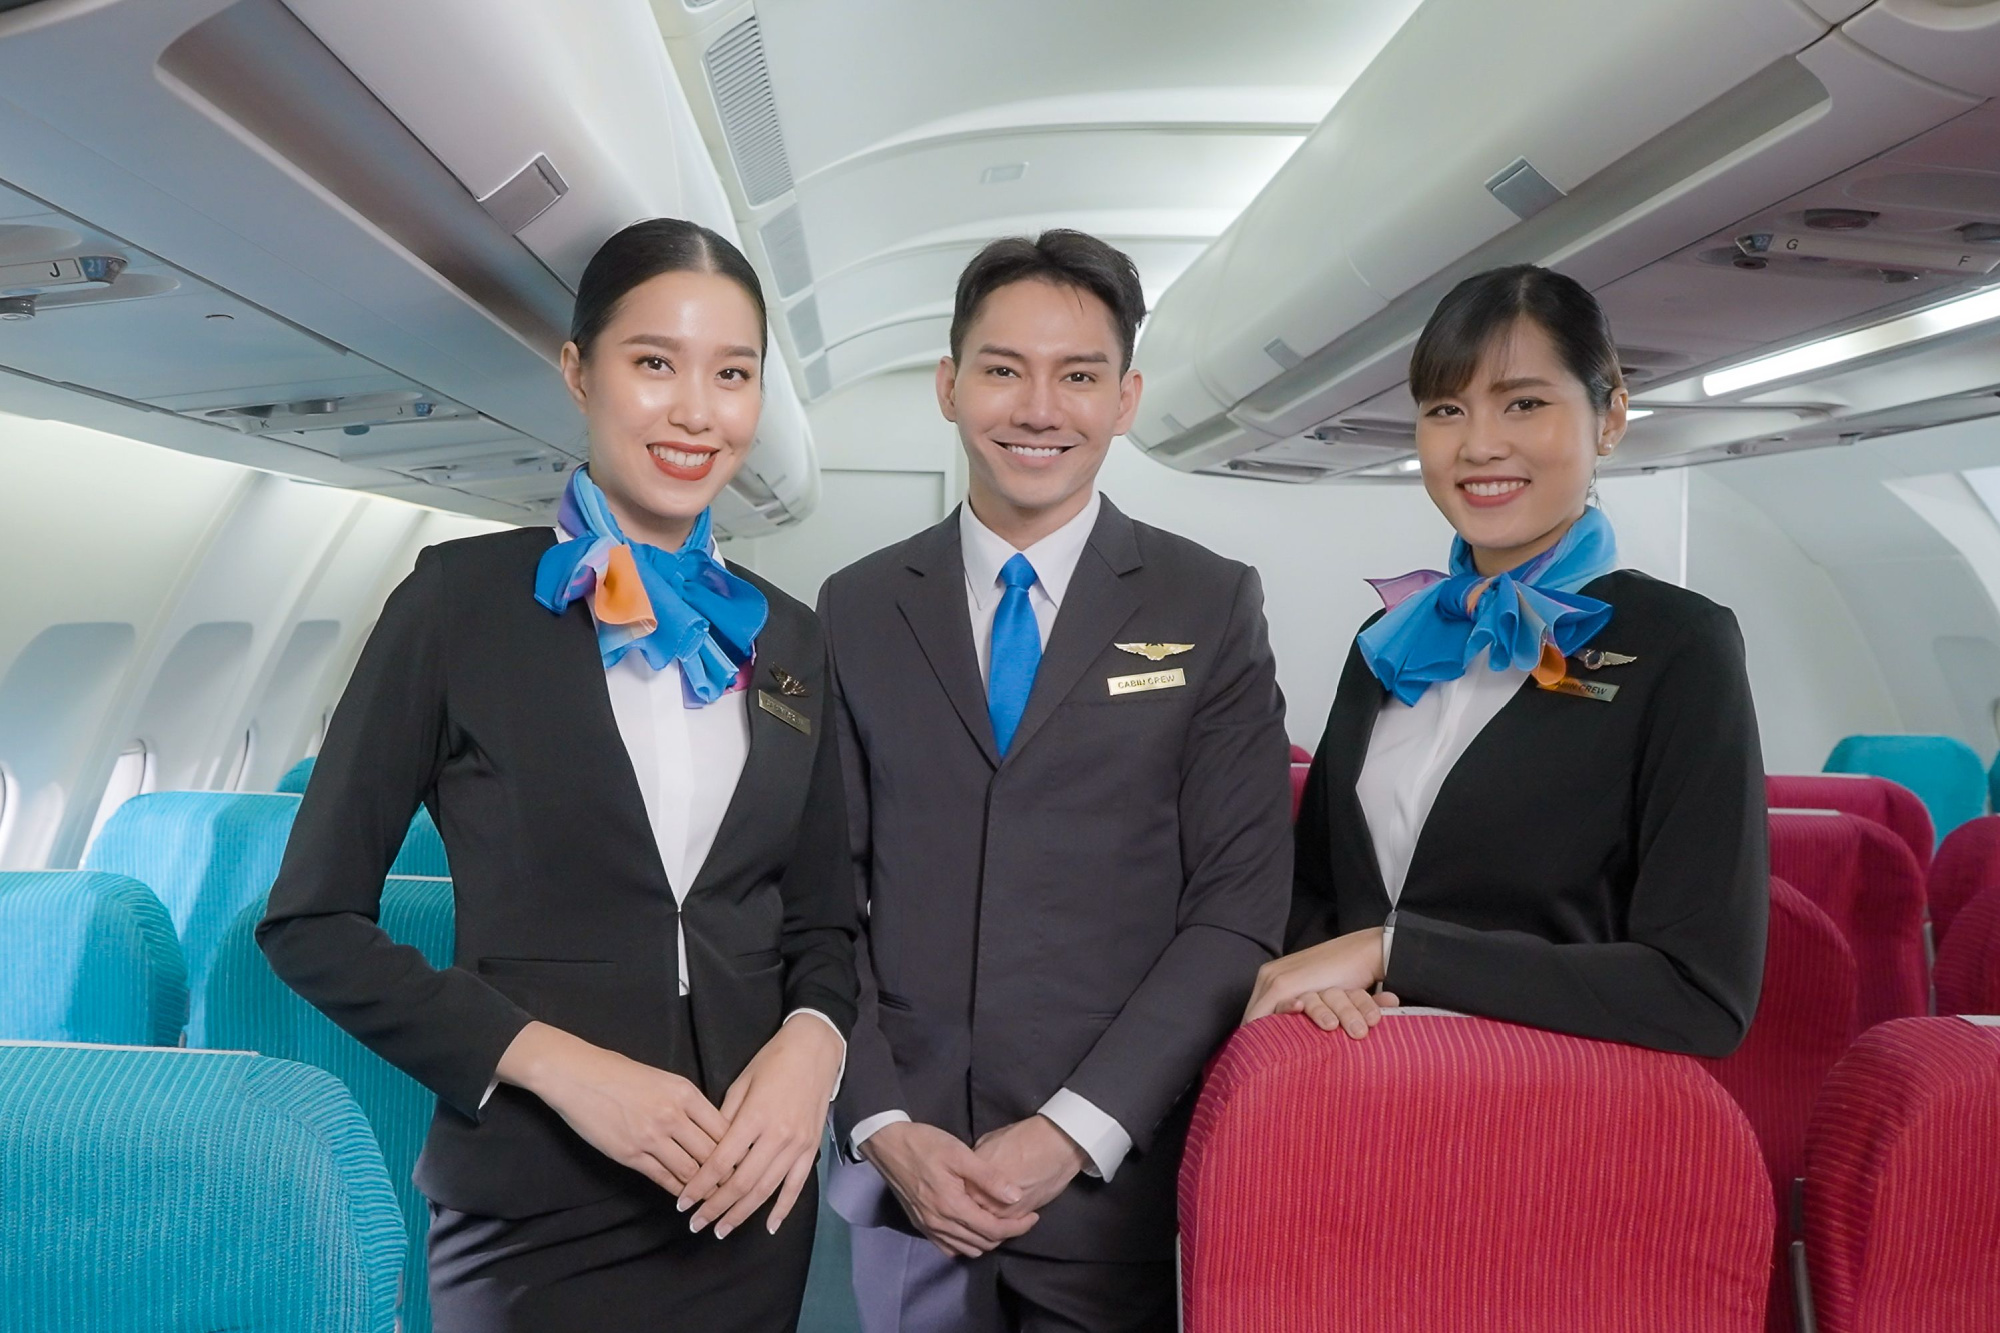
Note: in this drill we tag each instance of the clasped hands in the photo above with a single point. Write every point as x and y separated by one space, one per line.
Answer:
1330 983
725 1162
969 1200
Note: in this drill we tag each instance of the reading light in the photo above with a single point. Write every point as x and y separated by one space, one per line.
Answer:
1949 317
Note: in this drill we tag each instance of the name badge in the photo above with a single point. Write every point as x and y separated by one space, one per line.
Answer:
1583 689
1149 680
784 712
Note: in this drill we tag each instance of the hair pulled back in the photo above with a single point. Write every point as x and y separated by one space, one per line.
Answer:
644 251
1487 306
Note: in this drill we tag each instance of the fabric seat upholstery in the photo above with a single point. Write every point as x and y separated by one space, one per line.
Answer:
1968 966
1890 804
1806 1019
250 1009
1451 1173
1944 772
1967 864
87 956
207 855
148 1190
1863 877
1903 1182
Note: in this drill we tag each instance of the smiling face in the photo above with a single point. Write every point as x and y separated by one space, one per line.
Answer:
670 389
1037 397
1509 458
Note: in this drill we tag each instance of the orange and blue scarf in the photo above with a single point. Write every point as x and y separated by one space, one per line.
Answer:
1531 617
673 607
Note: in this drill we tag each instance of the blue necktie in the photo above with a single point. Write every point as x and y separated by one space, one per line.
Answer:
1016 652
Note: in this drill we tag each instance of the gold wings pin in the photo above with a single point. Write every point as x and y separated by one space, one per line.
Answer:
1154 652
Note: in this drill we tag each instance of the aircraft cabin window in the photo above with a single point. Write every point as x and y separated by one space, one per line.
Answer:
132 775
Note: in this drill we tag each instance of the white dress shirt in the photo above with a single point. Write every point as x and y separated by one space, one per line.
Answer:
1411 752
1103 1140
687 762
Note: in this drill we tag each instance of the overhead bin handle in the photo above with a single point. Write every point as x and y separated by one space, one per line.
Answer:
527 194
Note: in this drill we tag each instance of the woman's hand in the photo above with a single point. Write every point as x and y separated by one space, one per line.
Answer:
1329 982
657 1123
777 1113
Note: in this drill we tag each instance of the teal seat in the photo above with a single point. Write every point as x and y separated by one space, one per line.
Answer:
250 1009
829 1302
1943 771
207 855
86 956
423 850
146 1191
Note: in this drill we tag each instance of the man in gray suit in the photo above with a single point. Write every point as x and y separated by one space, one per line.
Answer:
1066 764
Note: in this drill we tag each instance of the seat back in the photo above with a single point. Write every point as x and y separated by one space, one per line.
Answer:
1806 1020
1968 966
146 1190
1943 771
91 957
1967 863
296 777
206 854
1890 804
1863 877
1299 772
422 852
250 1009
1903 1181
1450 1173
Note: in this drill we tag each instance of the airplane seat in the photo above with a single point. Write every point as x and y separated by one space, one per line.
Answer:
1806 1019
1299 772
207 855
1890 804
422 852
1943 771
1902 1197
88 957
249 1008
168 1189
1449 1169
1863 877
1967 864
1301 755
1968 966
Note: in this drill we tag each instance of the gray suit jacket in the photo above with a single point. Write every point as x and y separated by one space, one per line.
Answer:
1091 911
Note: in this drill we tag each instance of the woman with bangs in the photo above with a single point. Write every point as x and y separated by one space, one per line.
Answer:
1539 797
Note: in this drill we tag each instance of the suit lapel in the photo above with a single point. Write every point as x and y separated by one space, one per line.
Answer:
1356 704
774 763
934 605
1095 607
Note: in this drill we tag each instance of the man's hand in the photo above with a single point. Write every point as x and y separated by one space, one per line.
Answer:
1037 1158
952 1194
1329 982
776 1111
657 1123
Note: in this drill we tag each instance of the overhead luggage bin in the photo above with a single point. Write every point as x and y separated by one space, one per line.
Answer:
1616 144
342 258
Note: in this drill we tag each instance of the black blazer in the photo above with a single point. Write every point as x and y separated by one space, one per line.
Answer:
1092 911
1596 868
473 699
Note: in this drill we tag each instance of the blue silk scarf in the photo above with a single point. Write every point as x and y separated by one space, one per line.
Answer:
673 607
1531 617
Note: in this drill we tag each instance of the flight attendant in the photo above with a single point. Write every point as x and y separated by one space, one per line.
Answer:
623 742
1539 797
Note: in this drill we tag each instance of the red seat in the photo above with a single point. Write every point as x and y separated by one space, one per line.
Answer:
1967 863
1890 804
1458 1173
1301 755
1299 772
1862 876
1968 966
1903 1182
1805 1022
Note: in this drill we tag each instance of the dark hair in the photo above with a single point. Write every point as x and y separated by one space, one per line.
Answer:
645 250
1485 306
1063 257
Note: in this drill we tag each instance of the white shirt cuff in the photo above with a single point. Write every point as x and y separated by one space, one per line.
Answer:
866 1129
1102 1139
842 1075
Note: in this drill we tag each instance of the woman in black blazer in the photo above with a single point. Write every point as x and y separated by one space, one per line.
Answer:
622 742
1539 796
